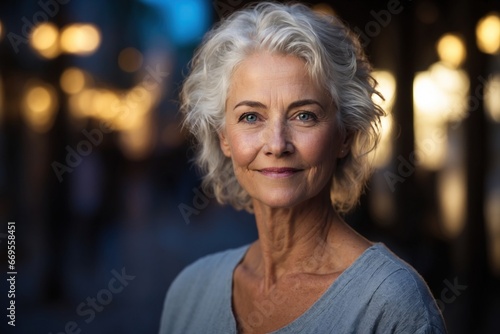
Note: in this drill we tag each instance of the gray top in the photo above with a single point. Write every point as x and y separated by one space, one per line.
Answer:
378 293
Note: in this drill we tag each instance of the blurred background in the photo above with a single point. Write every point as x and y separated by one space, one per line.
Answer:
95 171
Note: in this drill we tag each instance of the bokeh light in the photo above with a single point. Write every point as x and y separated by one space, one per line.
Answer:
98 103
440 97
452 199
451 49
130 59
79 104
39 105
124 110
488 34
72 80
81 39
187 20
492 98
440 93
44 40
137 141
387 87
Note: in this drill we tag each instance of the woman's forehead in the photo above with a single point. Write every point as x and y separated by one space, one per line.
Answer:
266 73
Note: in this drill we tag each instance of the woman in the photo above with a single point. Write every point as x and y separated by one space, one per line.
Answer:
279 100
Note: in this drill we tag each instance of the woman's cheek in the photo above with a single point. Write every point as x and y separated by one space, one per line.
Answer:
244 148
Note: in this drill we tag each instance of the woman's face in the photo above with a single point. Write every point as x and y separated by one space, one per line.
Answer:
280 131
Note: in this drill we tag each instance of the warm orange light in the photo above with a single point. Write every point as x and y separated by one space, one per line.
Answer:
82 39
452 198
79 104
39 106
440 97
387 87
440 93
125 110
451 49
104 104
488 34
137 141
492 98
44 40
98 103
130 59
72 80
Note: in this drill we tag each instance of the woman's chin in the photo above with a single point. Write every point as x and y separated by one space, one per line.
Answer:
279 201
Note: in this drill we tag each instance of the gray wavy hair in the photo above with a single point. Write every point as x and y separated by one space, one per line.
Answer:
334 58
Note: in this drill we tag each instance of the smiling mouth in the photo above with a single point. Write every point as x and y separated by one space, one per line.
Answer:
279 172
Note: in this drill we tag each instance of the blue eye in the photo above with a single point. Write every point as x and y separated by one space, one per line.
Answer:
306 116
249 118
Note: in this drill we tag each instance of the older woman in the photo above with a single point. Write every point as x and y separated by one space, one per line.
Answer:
279 100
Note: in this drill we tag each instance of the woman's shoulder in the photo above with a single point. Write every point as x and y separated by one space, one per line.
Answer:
395 274
403 293
208 266
201 291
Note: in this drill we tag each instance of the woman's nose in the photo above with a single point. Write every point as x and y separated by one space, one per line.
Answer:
277 139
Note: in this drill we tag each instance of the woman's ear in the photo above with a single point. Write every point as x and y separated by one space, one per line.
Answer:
224 145
345 146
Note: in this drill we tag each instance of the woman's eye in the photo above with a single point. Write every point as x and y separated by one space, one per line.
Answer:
249 118
306 116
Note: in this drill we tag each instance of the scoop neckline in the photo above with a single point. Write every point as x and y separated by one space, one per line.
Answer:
313 310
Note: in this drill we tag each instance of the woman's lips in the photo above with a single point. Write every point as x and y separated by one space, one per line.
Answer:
279 172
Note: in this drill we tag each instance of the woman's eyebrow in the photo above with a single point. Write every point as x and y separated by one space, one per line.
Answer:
301 103
252 104
293 105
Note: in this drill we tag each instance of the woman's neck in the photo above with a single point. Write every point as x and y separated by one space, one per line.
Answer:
297 240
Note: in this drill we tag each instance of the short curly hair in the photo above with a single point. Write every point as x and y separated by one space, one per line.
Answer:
334 59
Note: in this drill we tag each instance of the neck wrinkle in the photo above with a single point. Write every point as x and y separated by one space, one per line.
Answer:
289 238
